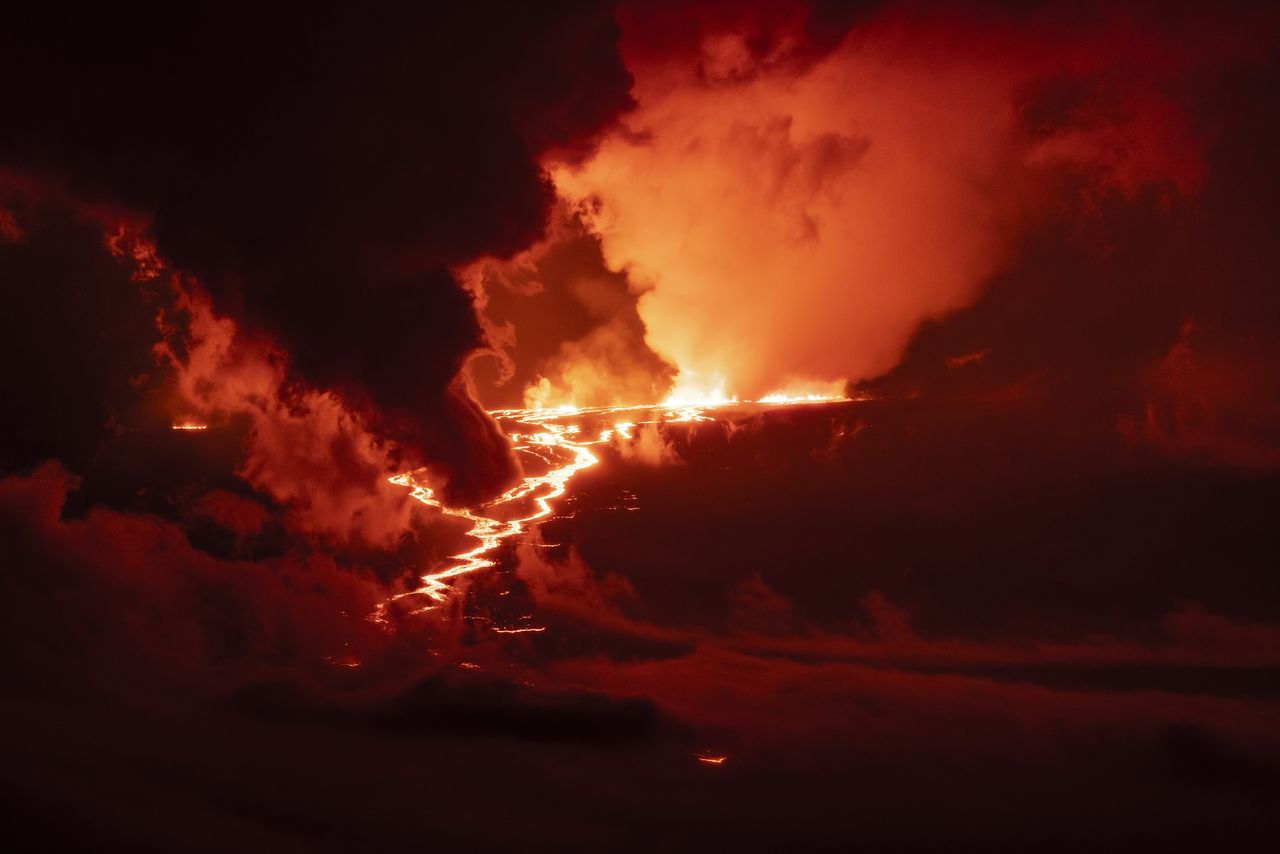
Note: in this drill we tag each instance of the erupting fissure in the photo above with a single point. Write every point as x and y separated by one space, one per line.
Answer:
564 449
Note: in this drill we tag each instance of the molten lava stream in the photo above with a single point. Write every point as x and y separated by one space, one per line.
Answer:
564 451
557 446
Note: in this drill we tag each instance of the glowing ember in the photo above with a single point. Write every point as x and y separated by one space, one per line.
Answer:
708 758
188 425
566 450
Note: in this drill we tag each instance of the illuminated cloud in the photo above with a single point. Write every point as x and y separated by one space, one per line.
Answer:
564 328
787 217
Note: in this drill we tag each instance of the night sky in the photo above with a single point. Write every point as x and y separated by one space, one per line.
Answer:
996 568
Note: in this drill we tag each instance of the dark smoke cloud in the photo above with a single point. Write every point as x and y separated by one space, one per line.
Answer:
77 333
321 170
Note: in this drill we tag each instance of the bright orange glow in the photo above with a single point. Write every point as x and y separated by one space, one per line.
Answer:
188 425
783 221
780 219
689 391
806 393
565 450
708 758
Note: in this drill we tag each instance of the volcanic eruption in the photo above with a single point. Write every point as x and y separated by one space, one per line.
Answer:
592 425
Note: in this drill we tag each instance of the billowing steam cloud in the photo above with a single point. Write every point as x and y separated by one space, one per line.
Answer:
791 218
564 328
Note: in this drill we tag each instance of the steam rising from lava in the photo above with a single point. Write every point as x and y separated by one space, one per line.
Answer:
786 220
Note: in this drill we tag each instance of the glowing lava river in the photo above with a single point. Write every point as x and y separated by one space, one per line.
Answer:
558 450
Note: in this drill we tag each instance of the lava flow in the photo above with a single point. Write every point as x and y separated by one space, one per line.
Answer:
565 450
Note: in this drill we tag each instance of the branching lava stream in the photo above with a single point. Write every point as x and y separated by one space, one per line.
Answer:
565 450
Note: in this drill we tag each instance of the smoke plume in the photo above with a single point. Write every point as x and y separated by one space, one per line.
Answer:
790 210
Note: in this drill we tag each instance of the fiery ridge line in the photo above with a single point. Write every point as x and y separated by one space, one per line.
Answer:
548 441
